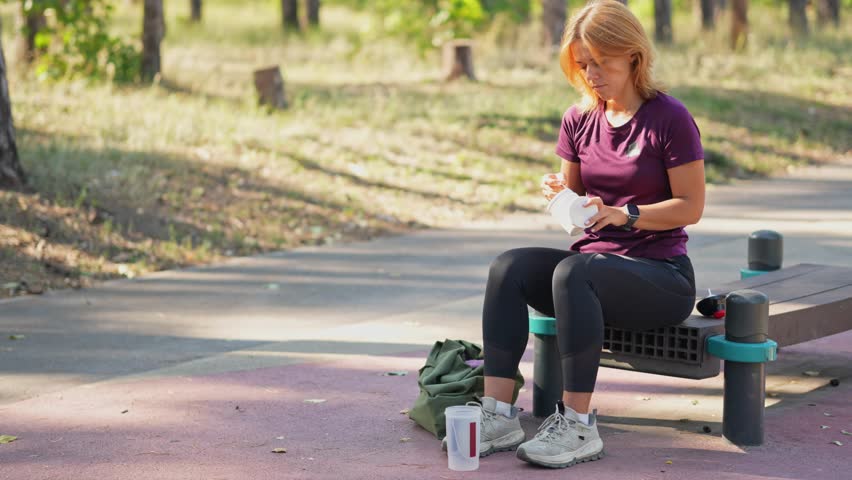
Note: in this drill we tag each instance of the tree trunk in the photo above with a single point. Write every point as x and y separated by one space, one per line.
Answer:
458 60
828 11
708 14
313 13
798 17
623 2
663 21
153 31
195 7
739 24
11 174
270 87
553 16
31 22
290 14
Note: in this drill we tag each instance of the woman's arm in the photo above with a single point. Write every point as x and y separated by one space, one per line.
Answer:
571 172
684 208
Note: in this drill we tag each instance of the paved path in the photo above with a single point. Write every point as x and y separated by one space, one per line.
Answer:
211 365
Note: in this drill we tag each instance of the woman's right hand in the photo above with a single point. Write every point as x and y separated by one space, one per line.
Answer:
551 184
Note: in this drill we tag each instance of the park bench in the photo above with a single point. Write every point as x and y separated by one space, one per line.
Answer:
777 308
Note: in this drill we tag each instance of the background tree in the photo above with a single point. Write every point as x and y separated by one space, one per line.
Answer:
313 13
195 10
828 11
553 16
663 21
708 14
798 17
153 31
32 21
739 24
11 174
290 14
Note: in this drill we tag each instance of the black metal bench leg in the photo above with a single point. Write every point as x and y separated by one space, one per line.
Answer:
745 391
547 375
747 321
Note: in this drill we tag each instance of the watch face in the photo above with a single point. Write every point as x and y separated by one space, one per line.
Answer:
633 210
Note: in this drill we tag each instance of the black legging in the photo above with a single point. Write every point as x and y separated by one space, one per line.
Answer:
583 291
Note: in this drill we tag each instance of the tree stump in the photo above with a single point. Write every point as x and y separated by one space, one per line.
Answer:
270 87
153 31
458 59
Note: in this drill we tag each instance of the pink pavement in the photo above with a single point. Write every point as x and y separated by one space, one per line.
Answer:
225 426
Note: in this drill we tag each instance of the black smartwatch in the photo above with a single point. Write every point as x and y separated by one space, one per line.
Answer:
632 216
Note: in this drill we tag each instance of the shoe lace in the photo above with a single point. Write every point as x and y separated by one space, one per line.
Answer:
486 415
553 427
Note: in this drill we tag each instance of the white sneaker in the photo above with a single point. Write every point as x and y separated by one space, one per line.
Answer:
497 432
563 440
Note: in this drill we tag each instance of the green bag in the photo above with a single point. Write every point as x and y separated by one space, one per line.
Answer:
446 380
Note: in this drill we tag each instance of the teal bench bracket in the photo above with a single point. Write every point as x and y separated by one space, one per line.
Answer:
763 352
746 273
542 325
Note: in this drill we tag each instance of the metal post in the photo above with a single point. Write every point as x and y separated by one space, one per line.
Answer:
747 321
765 250
547 371
547 375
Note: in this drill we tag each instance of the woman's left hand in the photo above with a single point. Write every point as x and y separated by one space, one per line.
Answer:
606 215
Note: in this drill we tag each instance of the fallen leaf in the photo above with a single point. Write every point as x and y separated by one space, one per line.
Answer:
399 373
404 411
272 286
17 337
844 432
695 402
315 400
838 443
125 411
823 427
523 390
279 450
7 438
669 462
827 414
405 439
279 438
811 373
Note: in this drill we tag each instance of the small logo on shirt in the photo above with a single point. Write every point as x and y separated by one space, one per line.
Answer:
634 149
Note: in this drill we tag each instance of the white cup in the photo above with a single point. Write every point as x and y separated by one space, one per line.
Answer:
463 424
567 208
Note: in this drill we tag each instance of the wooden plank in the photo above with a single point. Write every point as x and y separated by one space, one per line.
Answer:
815 316
801 282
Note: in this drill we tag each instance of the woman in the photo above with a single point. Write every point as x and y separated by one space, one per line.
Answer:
636 152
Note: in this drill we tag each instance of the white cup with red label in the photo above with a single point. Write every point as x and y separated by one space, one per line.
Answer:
463 424
570 211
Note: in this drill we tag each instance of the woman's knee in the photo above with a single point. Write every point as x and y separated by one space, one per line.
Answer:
573 270
507 264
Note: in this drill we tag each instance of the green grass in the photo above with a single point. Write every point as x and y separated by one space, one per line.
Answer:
190 169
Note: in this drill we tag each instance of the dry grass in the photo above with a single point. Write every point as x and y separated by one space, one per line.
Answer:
189 170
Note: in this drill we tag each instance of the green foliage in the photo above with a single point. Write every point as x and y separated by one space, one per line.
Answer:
428 23
77 42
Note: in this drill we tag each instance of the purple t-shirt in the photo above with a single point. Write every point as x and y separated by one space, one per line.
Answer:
627 164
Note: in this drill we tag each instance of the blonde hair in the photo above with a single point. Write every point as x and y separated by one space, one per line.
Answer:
607 27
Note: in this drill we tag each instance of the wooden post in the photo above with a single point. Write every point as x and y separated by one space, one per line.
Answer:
739 24
270 87
458 59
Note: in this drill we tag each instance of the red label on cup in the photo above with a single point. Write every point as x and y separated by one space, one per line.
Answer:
474 450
